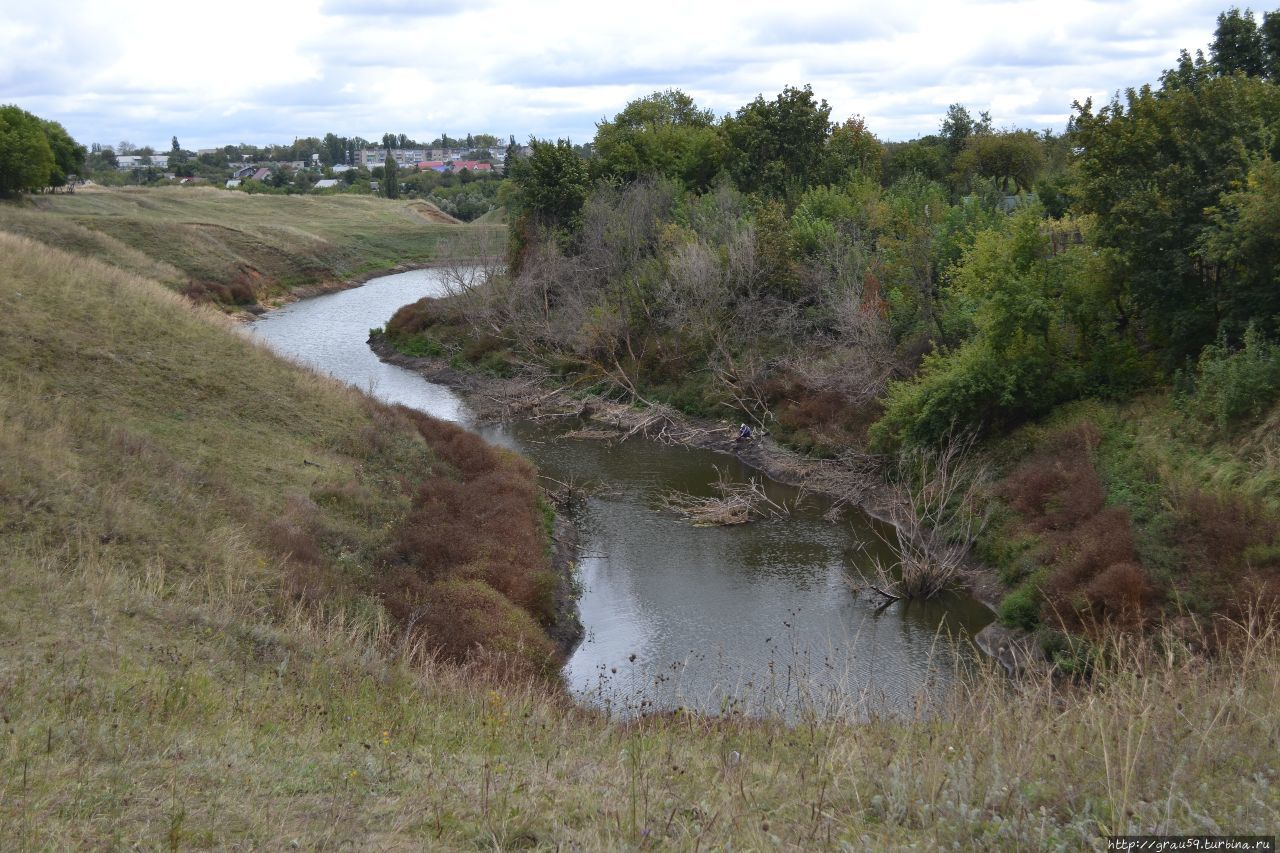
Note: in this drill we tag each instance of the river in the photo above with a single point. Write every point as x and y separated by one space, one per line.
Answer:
750 618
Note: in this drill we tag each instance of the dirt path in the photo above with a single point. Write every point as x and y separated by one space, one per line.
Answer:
429 212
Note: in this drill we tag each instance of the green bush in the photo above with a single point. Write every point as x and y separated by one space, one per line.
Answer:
1233 386
1021 608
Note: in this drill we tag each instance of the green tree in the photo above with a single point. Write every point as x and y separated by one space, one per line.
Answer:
1270 30
68 155
1243 240
1237 44
853 150
1012 157
26 159
778 147
1042 333
664 134
1150 167
923 157
390 178
551 184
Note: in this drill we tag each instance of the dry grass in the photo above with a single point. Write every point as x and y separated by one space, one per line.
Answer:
159 687
237 249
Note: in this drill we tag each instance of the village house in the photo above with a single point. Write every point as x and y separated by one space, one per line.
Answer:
129 162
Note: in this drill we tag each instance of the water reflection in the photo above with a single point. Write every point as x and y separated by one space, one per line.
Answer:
752 617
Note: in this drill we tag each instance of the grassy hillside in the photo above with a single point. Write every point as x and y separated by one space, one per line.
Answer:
239 249
197 650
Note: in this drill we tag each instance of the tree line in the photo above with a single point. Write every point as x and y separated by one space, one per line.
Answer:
779 264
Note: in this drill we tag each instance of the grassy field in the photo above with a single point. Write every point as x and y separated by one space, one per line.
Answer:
237 249
196 650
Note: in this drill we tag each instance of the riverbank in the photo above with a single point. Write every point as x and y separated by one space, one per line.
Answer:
162 686
857 481
244 253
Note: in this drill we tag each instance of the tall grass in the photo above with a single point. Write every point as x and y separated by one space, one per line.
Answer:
235 249
161 686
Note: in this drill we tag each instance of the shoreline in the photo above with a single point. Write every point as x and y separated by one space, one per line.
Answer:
249 313
496 398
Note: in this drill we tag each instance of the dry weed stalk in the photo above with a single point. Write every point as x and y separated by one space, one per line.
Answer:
935 512
738 503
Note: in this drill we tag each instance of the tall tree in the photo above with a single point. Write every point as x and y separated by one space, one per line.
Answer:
1237 44
26 159
551 184
1013 156
778 147
174 147
68 155
853 150
957 127
1152 167
390 178
666 134
1270 30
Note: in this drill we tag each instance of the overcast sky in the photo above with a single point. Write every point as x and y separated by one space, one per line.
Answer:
231 71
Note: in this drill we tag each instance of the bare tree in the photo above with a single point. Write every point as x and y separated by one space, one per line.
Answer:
936 513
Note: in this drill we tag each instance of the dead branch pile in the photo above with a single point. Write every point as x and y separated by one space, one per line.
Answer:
936 515
737 503
590 434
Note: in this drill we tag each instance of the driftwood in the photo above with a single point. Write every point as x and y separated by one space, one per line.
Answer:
589 434
737 503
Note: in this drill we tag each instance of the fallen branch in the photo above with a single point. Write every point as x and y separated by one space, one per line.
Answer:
737 503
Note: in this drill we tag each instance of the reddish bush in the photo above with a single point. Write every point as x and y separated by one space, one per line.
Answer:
1119 594
1096 579
469 622
1057 487
417 317
482 524
1216 532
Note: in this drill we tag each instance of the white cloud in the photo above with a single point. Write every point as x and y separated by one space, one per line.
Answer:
262 72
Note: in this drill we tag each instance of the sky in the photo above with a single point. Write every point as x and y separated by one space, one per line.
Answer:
269 71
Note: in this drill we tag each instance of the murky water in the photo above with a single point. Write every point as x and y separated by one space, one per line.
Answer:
751 617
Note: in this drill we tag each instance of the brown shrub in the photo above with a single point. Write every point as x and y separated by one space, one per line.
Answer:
292 534
482 524
829 414
468 622
1215 532
1119 594
1096 577
417 317
1057 487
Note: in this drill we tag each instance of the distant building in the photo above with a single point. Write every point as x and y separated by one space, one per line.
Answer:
455 165
262 174
326 184
232 184
370 157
